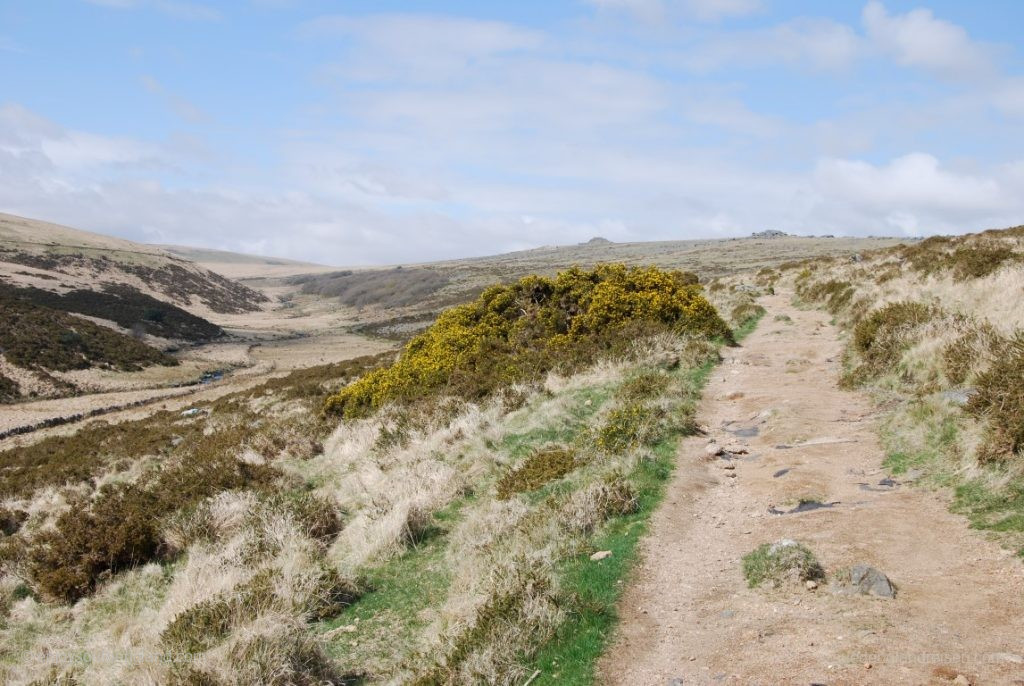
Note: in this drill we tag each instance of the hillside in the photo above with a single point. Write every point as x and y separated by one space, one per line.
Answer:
435 529
77 301
59 258
400 299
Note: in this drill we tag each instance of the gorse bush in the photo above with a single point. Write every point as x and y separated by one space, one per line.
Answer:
1000 402
520 332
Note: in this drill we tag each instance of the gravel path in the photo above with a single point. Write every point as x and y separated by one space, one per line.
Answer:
688 616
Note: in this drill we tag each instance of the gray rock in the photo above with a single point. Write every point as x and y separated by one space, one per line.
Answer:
867 580
959 396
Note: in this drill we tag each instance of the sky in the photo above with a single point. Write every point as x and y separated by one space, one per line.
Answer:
384 132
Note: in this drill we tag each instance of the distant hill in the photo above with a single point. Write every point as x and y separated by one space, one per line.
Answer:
236 265
73 300
59 258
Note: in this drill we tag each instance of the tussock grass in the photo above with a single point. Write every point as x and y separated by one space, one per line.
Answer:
780 563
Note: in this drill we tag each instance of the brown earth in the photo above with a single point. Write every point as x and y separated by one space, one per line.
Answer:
688 616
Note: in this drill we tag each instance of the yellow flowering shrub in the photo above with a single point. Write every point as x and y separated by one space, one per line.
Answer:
521 331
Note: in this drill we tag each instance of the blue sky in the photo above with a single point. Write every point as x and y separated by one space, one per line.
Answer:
387 132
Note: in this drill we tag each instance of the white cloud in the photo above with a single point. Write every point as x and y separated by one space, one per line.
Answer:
410 46
914 181
702 10
919 39
821 44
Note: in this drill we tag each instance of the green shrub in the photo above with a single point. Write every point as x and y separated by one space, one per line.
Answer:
632 425
779 563
960 357
881 338
1000 403
543 466
520 332
977 262
745 312
643 386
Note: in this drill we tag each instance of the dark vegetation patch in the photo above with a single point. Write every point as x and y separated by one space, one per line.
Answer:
965 258
398 287
999 402
961 357
37 337
125 306
176 281
520 332
9 389
120 527
543 466
220 294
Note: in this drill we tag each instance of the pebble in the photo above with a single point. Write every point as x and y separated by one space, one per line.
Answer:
811 584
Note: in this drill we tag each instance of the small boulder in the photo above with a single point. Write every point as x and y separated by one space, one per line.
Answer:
866 580
600 555
713 450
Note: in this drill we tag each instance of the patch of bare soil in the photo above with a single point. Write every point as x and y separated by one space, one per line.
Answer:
688 616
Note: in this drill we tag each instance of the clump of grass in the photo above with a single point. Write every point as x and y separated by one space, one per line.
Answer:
999 402
835 294
744 312
880 338
540 468
779 563
783 318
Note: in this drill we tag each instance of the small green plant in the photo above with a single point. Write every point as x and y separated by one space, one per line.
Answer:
540 468
779 563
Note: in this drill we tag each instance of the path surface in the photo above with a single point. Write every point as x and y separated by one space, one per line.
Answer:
688 617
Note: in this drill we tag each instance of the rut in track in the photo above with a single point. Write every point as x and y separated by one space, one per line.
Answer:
687 615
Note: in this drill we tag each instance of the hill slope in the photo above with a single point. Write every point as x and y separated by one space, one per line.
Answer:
60 258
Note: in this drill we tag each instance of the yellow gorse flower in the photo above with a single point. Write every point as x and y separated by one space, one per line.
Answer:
511 332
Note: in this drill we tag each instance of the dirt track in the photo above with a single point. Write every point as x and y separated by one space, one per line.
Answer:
688 616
